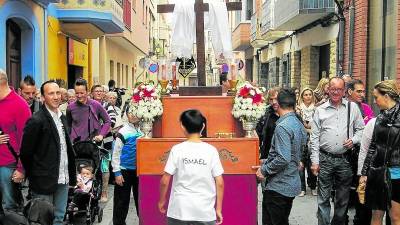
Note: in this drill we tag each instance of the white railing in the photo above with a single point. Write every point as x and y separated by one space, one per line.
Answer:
316 4
117 10
266 16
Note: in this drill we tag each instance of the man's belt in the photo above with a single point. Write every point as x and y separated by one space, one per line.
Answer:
341 155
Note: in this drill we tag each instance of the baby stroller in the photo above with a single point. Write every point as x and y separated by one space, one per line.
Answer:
88 154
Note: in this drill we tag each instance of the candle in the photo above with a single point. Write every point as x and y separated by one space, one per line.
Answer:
233 72
174 71
163 72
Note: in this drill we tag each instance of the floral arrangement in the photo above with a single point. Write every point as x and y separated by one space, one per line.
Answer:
146 103
249 103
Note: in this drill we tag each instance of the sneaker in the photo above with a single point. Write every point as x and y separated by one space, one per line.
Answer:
302 194
314 192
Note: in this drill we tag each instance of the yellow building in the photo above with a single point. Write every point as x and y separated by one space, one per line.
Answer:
74 38
23 39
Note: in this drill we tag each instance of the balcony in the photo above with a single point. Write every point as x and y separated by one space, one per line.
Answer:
46 2
241 37
294 14
266 22
255 36
89 19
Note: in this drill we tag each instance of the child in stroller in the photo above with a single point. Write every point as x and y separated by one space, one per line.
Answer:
82 188
84 199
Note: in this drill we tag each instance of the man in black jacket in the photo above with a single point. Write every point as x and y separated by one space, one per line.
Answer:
47 154
265 131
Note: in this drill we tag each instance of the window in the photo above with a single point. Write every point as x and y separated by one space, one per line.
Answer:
118 80
127 14
126 77
122 76
249 9
112 70
382 42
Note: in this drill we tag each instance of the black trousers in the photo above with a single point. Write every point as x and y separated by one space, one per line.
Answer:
122 196
276 208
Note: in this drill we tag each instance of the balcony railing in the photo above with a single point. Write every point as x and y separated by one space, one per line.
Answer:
254 27
107 6
267 17
99 17
294 14
316 4
241 37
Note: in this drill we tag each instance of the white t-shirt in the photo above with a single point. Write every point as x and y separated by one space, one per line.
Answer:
193 166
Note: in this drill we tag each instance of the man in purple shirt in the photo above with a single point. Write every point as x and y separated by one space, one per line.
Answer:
87 119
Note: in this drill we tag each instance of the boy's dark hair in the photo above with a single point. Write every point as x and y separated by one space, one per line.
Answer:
81 82
287 98
192 120
28 81
44 84
111 83
223 77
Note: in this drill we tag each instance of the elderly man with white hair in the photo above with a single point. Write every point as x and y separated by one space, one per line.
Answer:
14 112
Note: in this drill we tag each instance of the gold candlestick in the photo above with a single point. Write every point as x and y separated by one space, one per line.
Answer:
164 84
232 90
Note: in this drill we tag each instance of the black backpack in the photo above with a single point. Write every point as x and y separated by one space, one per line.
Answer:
36 212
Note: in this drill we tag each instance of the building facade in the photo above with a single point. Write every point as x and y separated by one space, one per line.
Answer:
295 42
96 40
372 41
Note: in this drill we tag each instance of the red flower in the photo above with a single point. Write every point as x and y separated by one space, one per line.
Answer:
257 99
244 91
147 93
136 97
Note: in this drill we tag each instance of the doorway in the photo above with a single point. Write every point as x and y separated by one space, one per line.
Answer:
324 61
74 72
13 53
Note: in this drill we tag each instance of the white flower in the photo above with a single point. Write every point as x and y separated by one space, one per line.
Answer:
252 92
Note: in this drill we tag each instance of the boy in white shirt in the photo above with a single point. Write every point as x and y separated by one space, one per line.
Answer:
197 184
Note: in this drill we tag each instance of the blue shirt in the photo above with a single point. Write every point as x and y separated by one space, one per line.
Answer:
124 152
394 173
281 167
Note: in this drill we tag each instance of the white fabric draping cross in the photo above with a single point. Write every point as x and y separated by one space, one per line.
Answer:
184 29
219 26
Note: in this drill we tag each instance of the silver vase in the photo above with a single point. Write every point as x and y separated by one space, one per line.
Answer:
147 128
249 127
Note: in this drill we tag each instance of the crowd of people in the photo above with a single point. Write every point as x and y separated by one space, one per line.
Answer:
38 130
327 139
347 148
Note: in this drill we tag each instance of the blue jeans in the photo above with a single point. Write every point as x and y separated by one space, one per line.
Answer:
333 171
59 199
7 188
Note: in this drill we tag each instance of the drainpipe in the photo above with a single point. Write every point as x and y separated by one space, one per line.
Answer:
351 39
340 47
45 69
